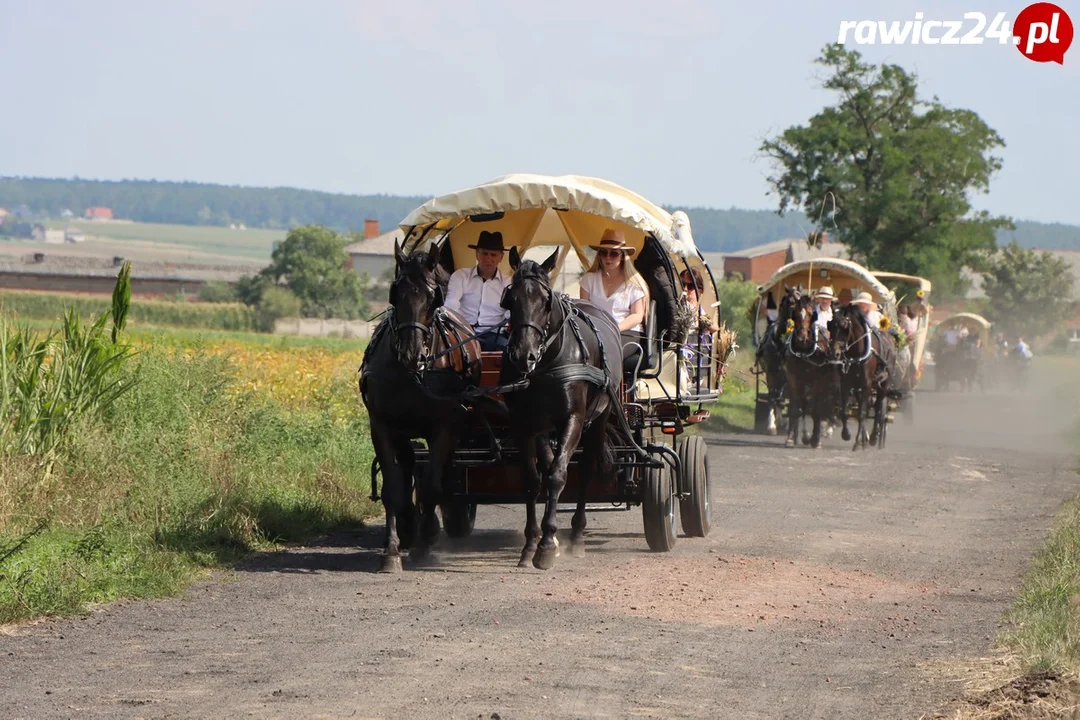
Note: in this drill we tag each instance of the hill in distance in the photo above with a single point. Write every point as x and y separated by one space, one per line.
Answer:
191 203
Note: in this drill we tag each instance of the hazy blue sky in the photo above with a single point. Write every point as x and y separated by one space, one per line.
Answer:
669 98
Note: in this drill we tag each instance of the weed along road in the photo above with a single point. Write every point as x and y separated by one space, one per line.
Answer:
833 585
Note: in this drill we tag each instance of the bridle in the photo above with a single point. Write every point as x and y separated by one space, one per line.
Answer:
544 333
434 291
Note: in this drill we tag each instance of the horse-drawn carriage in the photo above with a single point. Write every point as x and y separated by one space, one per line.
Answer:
961 350
774 326
492 456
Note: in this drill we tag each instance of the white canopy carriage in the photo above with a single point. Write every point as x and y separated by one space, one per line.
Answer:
541 213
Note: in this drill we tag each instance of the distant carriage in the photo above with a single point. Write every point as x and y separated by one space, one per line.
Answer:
847 279
962 351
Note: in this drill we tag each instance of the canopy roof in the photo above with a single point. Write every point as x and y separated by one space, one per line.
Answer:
920 282
532 210
965 318
835 272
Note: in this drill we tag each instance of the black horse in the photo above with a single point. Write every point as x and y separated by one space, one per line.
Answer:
866 359
809 374
568 356
772 353
420 359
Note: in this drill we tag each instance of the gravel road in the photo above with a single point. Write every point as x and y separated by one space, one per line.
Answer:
830 586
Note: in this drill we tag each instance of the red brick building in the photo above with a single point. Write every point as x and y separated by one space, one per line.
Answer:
757 264
99 213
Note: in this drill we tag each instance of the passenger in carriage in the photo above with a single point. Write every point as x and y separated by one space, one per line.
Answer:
906 317
699 343
614 285
476 293
824 299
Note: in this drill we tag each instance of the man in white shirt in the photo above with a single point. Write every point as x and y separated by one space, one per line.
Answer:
475 293
824 299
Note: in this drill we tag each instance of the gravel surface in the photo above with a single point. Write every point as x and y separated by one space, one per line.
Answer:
830 583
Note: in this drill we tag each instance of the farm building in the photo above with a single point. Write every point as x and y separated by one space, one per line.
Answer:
99 213
757 264
374 254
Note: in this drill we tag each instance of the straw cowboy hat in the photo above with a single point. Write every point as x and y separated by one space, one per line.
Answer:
489 241
864 298
613 239
826 293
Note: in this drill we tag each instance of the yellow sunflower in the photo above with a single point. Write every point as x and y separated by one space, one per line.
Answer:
885 324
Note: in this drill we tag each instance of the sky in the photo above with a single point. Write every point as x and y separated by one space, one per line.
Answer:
419 97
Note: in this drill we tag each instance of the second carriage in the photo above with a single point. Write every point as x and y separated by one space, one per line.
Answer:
893 293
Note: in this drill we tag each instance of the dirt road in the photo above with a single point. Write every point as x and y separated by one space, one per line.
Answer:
829 582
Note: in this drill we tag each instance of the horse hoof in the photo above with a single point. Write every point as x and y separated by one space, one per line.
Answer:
770 431
845 435
390 564
577 548
545 558
789 443
815 445
526 558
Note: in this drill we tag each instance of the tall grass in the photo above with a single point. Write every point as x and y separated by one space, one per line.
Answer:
163 463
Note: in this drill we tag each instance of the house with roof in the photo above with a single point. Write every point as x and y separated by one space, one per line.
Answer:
757 264
374 254
99 213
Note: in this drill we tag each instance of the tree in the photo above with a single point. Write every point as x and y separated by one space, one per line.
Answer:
899 168
311 262
1028 292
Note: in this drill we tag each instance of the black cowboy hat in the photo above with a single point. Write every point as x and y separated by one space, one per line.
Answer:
489 241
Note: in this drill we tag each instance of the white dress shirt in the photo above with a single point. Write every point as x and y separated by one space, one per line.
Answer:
475 299
823 317
618 305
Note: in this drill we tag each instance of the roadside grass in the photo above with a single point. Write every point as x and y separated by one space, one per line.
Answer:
214 452
1036 671
733 412
1044 621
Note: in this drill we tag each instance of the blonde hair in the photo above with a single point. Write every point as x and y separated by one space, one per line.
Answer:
629 272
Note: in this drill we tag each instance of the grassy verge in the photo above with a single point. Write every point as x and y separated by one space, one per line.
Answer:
209 455
734 411
1044 621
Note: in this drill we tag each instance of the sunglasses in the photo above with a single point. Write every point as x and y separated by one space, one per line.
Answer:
609 253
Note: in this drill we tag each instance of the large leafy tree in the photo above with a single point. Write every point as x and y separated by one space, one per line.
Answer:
900 169
311 262
1028 292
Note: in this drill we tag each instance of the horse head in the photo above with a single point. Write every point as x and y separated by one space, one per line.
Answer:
802 314
530 300
844 329
416 292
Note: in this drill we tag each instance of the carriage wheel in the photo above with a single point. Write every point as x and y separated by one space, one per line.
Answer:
695 511
659 508
459 518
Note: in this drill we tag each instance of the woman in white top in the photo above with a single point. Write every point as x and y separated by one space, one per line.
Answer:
613 285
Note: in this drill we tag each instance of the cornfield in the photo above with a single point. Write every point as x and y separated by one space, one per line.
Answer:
209 316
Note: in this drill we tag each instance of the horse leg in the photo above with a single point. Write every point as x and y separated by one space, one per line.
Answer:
429 493
794 412
818 401
860 411
808 411
556 481
594 442
532 489
393 496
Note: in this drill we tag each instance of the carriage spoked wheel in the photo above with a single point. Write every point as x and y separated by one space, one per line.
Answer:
695 511
659 507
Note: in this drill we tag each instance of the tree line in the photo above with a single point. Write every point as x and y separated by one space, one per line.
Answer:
189 203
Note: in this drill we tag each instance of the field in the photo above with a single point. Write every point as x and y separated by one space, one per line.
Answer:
151 241
222 443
